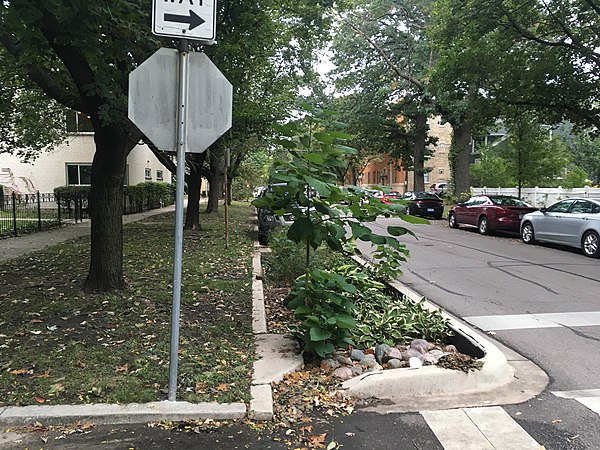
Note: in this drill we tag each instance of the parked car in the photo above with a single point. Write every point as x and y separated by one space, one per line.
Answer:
574 222
490 213
424 204
439 188
268 220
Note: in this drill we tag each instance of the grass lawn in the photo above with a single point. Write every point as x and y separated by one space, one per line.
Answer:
61 346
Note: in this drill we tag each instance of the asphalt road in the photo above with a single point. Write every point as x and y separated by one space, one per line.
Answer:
542 301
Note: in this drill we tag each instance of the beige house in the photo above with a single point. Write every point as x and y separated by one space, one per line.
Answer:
70 164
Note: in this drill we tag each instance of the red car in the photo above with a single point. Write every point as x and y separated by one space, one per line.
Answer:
490 213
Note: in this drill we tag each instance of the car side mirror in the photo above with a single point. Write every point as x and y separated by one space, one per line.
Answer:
543 210
461 204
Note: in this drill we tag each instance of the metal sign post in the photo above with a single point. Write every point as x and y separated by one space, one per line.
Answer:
177 258
162 114
227 162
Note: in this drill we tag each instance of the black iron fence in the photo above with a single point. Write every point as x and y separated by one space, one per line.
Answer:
27 213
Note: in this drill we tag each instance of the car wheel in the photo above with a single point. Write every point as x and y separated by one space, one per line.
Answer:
590 244
452 223
483 226
527 234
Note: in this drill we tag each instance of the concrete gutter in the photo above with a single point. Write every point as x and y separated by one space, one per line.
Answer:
431 387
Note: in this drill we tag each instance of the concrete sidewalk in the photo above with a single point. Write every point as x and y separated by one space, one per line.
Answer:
15 247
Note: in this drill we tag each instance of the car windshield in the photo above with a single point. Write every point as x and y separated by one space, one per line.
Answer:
426 196
508 201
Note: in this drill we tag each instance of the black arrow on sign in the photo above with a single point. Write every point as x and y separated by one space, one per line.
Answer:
193 19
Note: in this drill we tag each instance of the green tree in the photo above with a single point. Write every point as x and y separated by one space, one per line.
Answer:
585 151
80 55
381 52
492 170
534 158
29 121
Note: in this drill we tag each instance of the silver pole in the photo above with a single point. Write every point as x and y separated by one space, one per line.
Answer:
181 150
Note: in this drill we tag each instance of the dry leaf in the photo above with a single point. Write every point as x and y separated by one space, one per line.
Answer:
317 440
223 387
307 429
39 399
80 363
122 369
21 372
557 421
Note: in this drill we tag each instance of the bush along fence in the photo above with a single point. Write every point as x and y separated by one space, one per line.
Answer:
27 213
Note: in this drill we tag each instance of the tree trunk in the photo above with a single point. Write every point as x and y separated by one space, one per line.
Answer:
192 214
195 161
106 211
215 183
461 140
419 151
213 192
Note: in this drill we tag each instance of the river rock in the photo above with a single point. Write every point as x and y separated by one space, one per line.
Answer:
380 351
411 353
356 354
450 349
329 364
344 360
421 345
392 353
395 364
369 363
414 362
343 373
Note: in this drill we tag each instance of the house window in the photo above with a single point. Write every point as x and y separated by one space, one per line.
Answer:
426 177
159 175
368 177
78 122
79 174
148 174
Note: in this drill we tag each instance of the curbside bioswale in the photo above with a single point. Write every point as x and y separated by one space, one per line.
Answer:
406 389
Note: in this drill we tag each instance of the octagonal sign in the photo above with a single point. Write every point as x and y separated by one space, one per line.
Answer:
153 100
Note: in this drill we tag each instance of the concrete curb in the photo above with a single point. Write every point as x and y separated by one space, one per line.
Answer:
278 355
119 414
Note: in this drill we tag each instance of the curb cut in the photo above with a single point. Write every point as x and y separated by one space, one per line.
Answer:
408 389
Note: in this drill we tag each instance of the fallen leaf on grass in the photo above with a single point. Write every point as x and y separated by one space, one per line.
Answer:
21 372
39 399
80 363
223 387
122 369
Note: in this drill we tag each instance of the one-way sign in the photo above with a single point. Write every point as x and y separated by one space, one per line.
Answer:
189 19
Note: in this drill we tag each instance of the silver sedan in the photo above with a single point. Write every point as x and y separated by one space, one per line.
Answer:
574 222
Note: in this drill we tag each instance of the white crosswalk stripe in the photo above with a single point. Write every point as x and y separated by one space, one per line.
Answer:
587 397
541 320
484 428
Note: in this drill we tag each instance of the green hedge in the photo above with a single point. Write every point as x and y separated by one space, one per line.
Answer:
138 198
149 195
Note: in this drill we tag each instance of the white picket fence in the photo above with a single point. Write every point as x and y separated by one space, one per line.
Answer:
540 197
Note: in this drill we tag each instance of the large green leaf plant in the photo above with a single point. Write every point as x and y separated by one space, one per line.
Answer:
305 185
